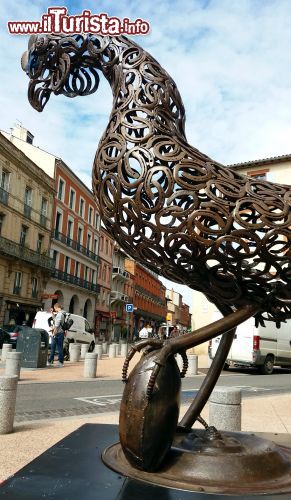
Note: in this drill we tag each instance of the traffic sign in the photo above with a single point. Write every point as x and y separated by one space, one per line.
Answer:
129 308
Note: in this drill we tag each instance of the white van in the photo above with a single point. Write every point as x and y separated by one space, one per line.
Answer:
262 347
80 331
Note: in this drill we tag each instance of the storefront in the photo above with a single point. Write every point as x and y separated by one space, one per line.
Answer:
20 313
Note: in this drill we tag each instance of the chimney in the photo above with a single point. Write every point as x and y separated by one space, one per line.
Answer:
22 133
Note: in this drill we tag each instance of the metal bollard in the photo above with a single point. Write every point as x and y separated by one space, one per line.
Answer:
75 352
99 350
5 349
112 351
13 364
193 364
104 347
124 350
225 409
84 350
90 365
8 388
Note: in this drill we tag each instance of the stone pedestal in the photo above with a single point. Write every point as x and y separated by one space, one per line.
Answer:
84 350
193 364
98 350
124 350
5 349
90 365
8 388
112 351
75 352
13 364
225 409
104 347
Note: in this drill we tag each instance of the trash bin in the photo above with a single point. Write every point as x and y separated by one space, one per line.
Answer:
33 343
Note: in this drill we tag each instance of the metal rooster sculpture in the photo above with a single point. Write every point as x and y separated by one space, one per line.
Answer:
176 211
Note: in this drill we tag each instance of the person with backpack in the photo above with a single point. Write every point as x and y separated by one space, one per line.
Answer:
58 335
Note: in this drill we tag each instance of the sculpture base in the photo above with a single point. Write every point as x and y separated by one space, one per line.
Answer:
233 463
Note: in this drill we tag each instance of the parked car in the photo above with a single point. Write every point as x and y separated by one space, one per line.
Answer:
80 331
4 337
13 332
261 347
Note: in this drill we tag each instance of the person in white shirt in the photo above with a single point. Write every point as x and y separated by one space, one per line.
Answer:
143 334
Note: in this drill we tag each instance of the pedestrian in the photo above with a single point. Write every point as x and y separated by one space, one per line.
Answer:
143 334
58 335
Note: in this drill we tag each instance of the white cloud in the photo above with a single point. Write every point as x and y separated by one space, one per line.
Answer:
230 60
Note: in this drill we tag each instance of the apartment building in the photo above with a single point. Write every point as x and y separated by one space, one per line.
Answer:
149 301
103 305
118 297
74 234
26 207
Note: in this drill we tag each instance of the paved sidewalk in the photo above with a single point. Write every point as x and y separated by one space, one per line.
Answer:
270 413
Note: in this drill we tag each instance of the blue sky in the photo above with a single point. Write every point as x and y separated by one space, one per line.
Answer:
231 60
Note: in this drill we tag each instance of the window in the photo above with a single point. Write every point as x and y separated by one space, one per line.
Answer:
104 273
34 287
95 249
86 276
106 246
43 211
88 241
61 189
5 179
97 222
77 269
260 175
27 201
39 243
70 228
90 215
1 222
23 234
67 262
101 243
80 235
17 283
72 199
81 207
94 277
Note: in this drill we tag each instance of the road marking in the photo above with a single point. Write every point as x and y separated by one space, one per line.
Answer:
102 400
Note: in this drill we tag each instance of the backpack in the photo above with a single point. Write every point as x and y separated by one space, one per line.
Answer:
67 323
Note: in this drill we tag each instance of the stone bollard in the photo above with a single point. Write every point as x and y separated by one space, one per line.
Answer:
13 364
5 349
124 350
193 364
8 388
104 347
99 350
75 352
112 351
84 350
225 409
116 344
90 365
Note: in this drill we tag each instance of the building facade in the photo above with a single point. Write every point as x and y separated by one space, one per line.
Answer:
103 305
74 232
118 297
149 301
26 207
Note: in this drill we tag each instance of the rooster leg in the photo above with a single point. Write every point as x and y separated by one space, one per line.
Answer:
174 346
211 378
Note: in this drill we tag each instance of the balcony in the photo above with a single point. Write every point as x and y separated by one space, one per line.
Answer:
20 252
115 295
66 240
4 195
27 210
74 280
118 272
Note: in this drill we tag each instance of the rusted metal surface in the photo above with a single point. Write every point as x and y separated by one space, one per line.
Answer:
230 463
171 207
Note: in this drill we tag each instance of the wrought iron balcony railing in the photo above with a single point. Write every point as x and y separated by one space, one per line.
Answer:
74 280
66 240
27 210
21 252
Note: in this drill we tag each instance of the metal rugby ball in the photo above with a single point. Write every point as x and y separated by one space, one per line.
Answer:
147 425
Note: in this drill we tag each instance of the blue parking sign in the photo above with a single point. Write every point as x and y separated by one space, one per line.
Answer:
129 308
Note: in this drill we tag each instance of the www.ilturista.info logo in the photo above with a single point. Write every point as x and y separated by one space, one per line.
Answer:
57 20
